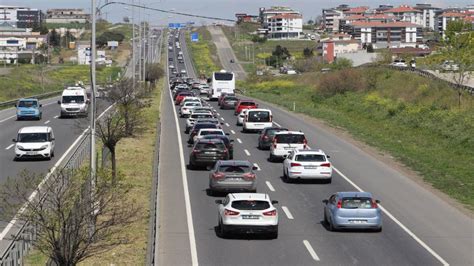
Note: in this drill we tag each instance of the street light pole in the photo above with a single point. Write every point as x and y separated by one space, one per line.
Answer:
92 100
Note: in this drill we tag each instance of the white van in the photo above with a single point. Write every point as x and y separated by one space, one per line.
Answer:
74 102
257 119
34 142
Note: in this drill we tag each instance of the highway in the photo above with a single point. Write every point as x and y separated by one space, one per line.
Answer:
420 228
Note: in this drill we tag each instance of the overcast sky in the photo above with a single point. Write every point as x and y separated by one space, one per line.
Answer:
218 8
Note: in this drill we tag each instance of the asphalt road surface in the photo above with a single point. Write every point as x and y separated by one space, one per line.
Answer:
419 227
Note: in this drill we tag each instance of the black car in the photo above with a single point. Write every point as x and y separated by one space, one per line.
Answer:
229 102
196 129
227 141
266 137
170 59
206 152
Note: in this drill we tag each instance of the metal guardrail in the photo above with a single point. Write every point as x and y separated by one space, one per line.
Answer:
39 96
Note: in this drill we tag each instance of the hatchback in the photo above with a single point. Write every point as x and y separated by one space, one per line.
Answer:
266 136
307 164
207 152
352 210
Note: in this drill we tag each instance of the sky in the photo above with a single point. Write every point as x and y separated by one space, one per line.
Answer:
216 8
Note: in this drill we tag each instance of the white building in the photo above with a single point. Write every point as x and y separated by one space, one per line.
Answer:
386 34
282 23
428 17
446 17
331 19
338 44
407 14
67 15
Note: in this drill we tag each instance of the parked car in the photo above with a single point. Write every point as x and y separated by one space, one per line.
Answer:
449 65
285 141
28 108
352 210
207 152
399 63
233 176
307 164
257 119
229 143
266 137
193 117
34 142
229 102
245 104
247 212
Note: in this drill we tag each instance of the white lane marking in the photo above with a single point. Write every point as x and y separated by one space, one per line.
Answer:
408 231
258 167
239 141
233 132
187 202
227 125
311 250
218 114
47 122
276 124
222 118
56 116
9 146
269 185
287 212
247 152
10 117
56 165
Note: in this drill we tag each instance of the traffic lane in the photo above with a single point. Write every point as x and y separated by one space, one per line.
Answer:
392 246
186 56
10 113
419 209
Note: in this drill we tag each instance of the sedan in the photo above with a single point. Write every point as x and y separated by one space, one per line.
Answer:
352 210
233 176
229 102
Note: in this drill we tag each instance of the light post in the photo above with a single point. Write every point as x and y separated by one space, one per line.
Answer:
92 100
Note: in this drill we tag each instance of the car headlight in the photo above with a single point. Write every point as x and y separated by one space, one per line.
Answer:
19 147
44 147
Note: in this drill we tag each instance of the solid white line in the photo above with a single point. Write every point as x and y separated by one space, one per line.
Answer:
408 231
51 171
247 152
311 250
47 122
258 167
187 202
222 118
1 121
227 124
287 212
56 116
233 132
239 141
269 185
9 147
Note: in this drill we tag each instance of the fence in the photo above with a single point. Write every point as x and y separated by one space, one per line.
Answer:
39 96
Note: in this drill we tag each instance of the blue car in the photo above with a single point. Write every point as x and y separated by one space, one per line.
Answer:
28 108
352 210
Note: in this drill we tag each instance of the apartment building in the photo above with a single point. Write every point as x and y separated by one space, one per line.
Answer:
67 15
331 19
386 34
428 17
407 14
20 16
281 23
337 44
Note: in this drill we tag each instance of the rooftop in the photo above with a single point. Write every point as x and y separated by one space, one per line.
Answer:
355 10
383 24
401 9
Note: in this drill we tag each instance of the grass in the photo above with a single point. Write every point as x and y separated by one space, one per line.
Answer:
204 53
419 123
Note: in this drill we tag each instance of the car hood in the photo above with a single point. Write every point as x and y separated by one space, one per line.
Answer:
32 145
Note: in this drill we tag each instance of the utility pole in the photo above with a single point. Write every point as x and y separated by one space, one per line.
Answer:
133 45
141 44
92 100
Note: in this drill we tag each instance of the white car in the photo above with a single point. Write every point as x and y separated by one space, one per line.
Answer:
286 141
195 116
241 117
204 89
247 213
257 120
171 66
399 63
186 109
208 131
183 71
34 142
188 99
307 164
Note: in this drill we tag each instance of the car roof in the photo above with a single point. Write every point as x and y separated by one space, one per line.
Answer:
234 162
289 132
35 129
354 194
213 136
260 110
211 129
303 151
28 99
249 196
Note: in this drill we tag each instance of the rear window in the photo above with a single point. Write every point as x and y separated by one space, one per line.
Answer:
271 132
210 146
356 203
310 158
247 103
192 104
199 126
223 76
236 169
201 116
205 132
258 116
231 99
250 205
290 138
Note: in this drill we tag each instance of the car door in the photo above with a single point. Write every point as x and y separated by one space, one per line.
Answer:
330 206
52 139
287 160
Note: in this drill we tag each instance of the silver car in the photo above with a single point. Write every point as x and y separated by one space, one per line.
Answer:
352 210
233 175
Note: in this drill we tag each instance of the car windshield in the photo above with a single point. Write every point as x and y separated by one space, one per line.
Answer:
210 146
258 116
238 169
28 104
32 137
247 103
356 203
211 132
73 99
250 205
290 138
310 158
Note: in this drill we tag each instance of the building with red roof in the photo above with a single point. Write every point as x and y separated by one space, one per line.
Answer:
282 22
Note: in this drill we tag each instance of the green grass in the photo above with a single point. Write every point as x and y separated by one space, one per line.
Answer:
415 119
204 53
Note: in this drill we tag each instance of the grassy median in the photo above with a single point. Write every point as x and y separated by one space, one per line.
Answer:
203 53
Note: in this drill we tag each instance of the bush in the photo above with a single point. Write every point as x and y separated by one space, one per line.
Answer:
109 36
339 82
258 39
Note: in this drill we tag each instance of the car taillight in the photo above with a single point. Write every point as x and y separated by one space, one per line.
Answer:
326 165
305 142
339 204
228 212
218 176
226 151
274 143
249 176
374 204
295 164
196 151
270 213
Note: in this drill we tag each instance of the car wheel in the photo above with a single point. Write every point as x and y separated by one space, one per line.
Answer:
331 226
378 230
222 231
329 180
274 235
271 158
325 217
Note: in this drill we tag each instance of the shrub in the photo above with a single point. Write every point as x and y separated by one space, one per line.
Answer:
339 82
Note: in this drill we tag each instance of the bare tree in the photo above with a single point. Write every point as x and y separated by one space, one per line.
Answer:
154 72
69 227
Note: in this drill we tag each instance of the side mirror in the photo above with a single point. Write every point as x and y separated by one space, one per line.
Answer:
227 134
325 201
218 201
377 201
14 140
327 156
15 105
59 102
274 201
254 168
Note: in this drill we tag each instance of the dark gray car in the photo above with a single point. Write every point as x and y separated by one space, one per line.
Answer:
266 137
233 176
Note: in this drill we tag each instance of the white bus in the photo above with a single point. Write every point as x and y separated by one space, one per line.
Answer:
222 81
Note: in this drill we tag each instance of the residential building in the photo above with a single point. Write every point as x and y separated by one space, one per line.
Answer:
20 16
428 17
361 10
386 34
338 44
452 15
331 19
407 14
345 23
67 15
243 17
282 22
19 44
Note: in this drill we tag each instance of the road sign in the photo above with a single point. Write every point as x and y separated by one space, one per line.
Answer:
176 25
194 37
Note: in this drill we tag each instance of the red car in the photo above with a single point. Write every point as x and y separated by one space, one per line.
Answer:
244 104
180 96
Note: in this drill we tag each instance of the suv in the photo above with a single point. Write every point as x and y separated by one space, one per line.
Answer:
244 104
227 141
257 119
285 141
247 212
208 131
206 152
266 137
34 142
233 176
302 164
28 108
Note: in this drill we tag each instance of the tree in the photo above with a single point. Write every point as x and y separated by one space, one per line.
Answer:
68 37
70 227
341 63
279 55
307 52
154 72
109 36
54 38
370 48
310 22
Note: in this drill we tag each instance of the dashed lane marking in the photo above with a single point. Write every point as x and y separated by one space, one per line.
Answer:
239 141
269 185
287 212
311 250
9 146
247 152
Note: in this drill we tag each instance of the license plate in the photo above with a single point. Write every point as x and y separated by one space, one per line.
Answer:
310 167
358 221
31 153
209 152
289 148
249 216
